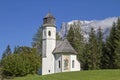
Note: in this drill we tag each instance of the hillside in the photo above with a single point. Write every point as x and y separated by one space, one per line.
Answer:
81 75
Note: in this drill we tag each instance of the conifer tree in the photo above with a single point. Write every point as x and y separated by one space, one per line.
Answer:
117 50
37 40
79 45
111 46
58 36
7 52
76 39
16 50
70 36
118 29
93 56
85 57
105 56
100 44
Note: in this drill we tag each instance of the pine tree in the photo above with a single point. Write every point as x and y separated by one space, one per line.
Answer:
100 44
79 46
117 50
118 29
16 50
70 36
7 52
93 56
86 57
105 56
37 40
111 46
58 36
75 37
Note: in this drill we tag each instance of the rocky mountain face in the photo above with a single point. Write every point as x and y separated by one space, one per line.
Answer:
86 26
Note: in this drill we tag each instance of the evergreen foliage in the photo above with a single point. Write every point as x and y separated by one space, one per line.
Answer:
16 50
37 40
117 50
85 57
111 46
7 52
111 56
93 56
75 37
96 53
100 46
58 37
70 36
118 29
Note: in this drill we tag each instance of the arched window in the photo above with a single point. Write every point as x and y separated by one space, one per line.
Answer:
49 33
59 64
73 63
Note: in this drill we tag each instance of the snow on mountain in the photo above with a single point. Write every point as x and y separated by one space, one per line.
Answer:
105 25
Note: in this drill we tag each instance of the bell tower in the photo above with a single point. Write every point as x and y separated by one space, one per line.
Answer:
48 44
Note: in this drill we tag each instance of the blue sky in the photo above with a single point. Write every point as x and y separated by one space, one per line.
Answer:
20 19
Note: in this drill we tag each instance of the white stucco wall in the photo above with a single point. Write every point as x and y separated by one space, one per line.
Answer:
58 57
71 57
46 30
48 46
76 63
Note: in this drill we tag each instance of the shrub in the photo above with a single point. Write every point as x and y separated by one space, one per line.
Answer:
27 62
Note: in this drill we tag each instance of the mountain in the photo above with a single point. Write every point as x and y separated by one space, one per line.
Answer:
86 25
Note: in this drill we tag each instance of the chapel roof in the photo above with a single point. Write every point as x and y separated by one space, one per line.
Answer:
49 15
64 47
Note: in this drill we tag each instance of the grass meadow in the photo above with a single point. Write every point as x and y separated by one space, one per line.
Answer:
79 75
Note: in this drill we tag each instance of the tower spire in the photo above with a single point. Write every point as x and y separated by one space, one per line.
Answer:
49 19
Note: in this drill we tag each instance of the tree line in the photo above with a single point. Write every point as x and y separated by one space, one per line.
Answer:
95 53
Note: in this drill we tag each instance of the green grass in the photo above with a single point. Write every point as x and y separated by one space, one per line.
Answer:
81 75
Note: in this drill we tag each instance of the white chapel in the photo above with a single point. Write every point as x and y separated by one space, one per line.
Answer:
57 56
